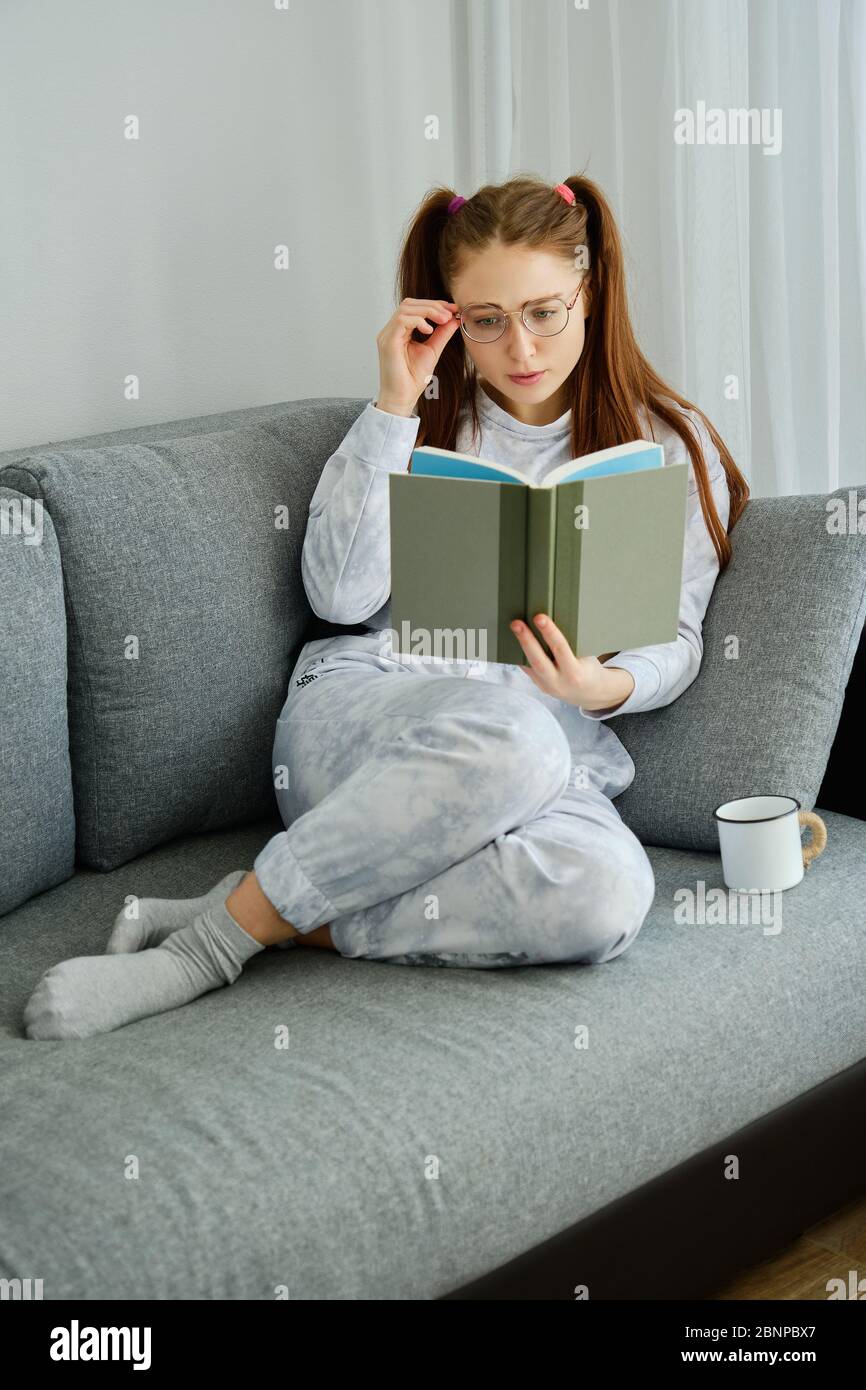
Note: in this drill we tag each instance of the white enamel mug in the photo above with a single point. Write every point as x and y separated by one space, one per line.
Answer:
759 837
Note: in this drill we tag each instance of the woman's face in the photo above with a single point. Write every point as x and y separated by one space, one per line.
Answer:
508 277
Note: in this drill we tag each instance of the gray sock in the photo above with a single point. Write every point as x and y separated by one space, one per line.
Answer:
159 917
95 994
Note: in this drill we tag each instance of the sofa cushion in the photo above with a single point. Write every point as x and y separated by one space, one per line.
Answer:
186 611
355 1129
780 635
37 824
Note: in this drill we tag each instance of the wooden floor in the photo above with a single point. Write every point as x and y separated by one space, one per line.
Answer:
829 1250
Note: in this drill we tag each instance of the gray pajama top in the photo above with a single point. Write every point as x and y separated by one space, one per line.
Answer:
345 566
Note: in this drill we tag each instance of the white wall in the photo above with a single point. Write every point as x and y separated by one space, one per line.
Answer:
155 257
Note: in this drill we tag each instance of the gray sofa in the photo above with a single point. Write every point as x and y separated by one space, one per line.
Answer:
348 1129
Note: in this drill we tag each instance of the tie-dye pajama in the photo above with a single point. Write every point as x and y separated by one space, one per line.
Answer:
442 821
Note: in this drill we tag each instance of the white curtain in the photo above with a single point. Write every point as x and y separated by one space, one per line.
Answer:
747 271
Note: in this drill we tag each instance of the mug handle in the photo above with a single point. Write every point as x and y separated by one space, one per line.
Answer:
819 836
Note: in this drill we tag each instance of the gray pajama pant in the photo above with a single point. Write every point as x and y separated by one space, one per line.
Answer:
433 821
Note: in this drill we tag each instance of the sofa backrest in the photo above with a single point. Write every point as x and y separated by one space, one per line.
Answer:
37 824
180 611
780 634
185 612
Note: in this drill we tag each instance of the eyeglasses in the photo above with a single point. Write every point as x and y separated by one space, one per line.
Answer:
484 323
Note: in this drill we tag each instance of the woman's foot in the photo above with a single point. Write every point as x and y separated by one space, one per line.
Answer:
95 994
157 918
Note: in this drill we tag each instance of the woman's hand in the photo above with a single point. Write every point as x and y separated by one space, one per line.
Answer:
575 679
405 367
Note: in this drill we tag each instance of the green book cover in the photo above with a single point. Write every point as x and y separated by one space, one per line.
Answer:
598 544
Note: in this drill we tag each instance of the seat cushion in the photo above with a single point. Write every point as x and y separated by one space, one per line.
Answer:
330 1128
37 824
780 635
181 560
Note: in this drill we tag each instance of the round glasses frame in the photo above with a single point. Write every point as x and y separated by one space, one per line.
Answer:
522 311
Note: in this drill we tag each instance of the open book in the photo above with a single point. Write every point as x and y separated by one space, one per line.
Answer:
598 544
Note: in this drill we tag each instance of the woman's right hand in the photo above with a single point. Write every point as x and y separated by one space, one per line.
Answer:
405 367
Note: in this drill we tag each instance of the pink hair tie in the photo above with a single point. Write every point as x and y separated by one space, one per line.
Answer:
456 204
565 192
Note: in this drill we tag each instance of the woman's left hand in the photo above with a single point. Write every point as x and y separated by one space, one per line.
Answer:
576 679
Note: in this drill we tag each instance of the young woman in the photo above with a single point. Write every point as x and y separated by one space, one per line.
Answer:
438 812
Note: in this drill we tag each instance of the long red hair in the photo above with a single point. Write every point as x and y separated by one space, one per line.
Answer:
612 377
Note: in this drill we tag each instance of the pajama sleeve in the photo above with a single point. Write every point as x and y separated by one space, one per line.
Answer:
346 556
663 672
